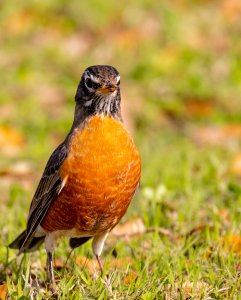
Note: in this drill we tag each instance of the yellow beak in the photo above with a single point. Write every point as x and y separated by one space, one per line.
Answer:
106 89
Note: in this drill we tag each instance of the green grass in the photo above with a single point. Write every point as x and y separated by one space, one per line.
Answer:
169 55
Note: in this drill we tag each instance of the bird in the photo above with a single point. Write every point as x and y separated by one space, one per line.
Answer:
90 178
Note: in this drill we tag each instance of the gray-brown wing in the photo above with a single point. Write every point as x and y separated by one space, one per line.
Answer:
49 187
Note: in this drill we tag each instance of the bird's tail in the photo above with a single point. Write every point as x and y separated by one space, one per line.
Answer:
30 247
76 242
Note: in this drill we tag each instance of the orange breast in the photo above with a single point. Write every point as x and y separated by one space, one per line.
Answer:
103 169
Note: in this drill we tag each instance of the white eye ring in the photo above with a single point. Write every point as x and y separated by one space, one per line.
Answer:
118 80
88 83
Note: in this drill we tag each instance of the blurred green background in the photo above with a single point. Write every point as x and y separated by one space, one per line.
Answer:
179 61
180 68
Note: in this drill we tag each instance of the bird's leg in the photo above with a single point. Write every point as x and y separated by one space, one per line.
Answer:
97 246
51 271
49 246
99 260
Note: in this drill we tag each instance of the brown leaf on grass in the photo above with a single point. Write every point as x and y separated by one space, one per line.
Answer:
21 172
59 264
3 291
120 263
232 130
199 108
217 135
135 228
130 228
87 263
231 9
235 167
11 140
187 290
92 266
232 243
20 169
130 278
19 22
193 290
190 107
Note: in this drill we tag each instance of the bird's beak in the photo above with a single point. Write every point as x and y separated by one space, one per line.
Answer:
106 89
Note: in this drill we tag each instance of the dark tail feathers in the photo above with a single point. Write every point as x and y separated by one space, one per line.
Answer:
76 242
30 247
37 241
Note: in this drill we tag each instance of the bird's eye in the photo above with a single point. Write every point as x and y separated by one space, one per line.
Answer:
95 85
89 83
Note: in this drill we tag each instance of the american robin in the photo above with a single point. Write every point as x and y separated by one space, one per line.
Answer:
90 179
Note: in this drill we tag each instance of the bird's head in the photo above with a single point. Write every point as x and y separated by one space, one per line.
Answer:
99 91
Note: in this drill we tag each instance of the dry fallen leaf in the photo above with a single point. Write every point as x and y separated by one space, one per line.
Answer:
87 263
208 135
235 167
59 264
232 130
19 169
132 227
217 135
120 263
3 291
231 9
130 278
19 22
135 228
189 289
21 172
92 266
232 243
199 108
11 140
